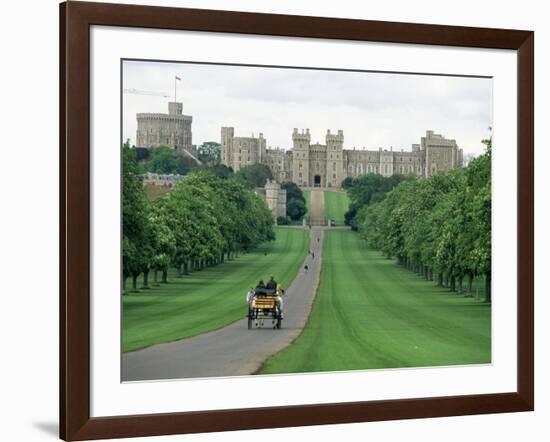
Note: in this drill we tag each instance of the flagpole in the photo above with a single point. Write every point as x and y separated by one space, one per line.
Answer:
175 80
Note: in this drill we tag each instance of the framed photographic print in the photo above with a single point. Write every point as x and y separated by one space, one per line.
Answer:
274 220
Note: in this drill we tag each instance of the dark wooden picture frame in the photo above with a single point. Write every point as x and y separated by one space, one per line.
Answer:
76 18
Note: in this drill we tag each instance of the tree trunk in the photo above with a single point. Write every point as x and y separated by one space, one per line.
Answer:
460 279
134 282
453 283
155 277
440 279
488 287
186 268
470 281
146 279
124 278
165 276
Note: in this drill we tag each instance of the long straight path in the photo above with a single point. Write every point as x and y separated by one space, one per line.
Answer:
317 203
233 350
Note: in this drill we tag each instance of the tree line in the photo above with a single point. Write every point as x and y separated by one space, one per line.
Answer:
438 226
202 222
165 160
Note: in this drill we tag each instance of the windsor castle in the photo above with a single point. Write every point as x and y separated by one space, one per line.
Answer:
307 164
327 165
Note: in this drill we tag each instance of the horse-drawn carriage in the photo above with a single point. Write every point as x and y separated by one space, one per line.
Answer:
264 305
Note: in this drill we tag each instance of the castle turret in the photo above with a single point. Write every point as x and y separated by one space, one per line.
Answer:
172 129
441 154
335 158
300 157
227 135
175 108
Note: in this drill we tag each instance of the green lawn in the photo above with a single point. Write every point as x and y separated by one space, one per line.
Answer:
370 313
336 205
307 196
211 298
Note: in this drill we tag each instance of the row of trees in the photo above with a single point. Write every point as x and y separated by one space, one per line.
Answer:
439 226
204 220
295 201
366 190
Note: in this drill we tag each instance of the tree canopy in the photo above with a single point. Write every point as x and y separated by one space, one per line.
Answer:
367 189
210 153
435 226
295 201
204 220
254 175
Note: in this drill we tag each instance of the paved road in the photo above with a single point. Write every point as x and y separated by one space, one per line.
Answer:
233 350
317 215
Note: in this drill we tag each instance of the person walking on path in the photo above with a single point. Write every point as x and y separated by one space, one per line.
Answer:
306 268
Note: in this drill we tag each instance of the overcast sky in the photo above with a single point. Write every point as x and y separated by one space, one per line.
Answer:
373 109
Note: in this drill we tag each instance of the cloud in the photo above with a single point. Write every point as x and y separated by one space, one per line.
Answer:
374 109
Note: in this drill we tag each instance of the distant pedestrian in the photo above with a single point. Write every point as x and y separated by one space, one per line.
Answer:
312 255
318 239
306 268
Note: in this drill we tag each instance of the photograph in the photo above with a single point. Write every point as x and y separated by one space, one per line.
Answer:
284 219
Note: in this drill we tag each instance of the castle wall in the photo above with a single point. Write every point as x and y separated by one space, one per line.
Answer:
237 152
441 154
317 165
277 162
361 162
327 165
275 198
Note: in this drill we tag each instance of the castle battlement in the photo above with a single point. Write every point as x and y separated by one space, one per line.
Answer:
338 137
304 135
